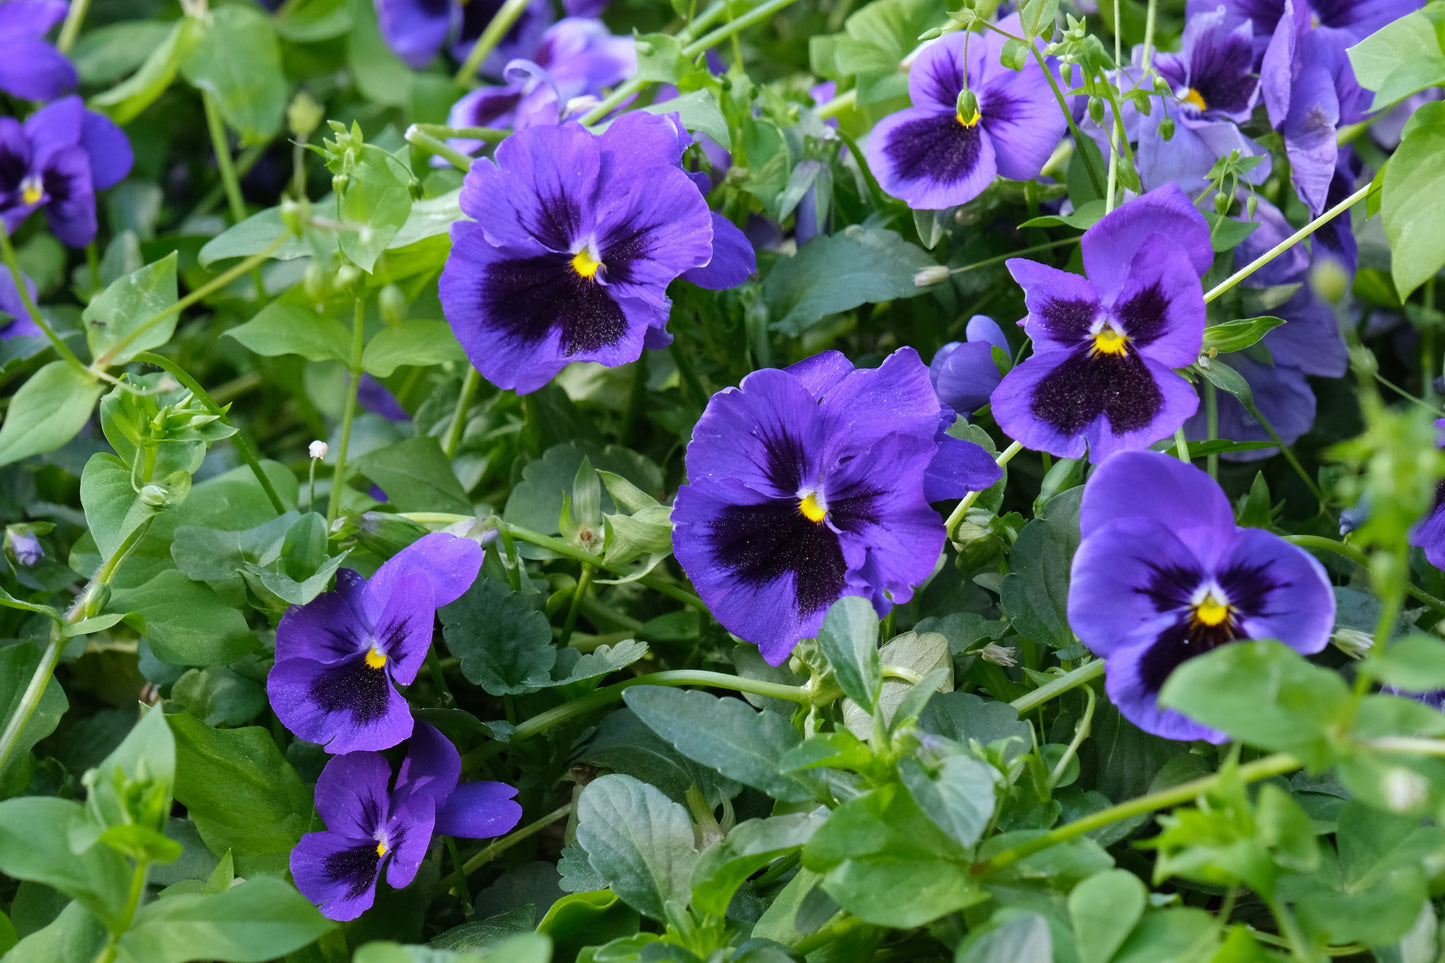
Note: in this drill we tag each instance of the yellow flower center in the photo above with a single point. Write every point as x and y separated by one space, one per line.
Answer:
970 121
1211 612
811 509
381 850
375 659
1108 340
585 264
31 190
1196 98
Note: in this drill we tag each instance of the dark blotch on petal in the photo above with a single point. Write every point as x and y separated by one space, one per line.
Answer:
527 298
356 867
1143 315
1081 388
1178 644
1068 318
936 148
1171 587
762 543
1248 588
355 688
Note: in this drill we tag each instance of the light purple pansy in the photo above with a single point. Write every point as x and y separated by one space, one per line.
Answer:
932 156
375 827
1101 377
813 482
1163 574
55 162
964 373
30 68
575 240
417 30
340 657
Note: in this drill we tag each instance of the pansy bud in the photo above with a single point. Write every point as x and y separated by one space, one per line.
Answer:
304 115
315 282
1096 109
392 304
929 276
1166 128
966 108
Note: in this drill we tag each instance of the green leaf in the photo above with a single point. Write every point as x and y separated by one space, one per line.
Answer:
1266 694
124 102
1103 909
603 660
586 919
1085 217
1238 335
849 640
50 407
959 797
963 716
1413 202
749 847
17 666
237 60
379 74
36 843
1036 590
113 509
378 196
280 328
241 792
728 735
252 236
885 862
114 318
1415 663
924 654
416 343
130 790
638 840
1399 59
699 113
504 644
75 936
416 476
838 272
218 696
258 920
103 55
1024 938
624 744
185 622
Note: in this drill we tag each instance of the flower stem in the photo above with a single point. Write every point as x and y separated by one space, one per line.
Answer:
513 838
1057 687
1286 244
433 145
470 380
956 517
226 166
348 415
74 18
578 594
500 23
1181 444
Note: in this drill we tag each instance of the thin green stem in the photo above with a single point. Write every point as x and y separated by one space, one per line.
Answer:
496 29
956 517
1048 245
244 447
1149 34
1081 732
844 101
137 890
759 14
348 415
1211 415
490 135
8 252
1181 445
470 381
74 18
1056 687
1285 450
1286 244
1175 795
513 838
441 148
205 290
583 581
30 698
226 166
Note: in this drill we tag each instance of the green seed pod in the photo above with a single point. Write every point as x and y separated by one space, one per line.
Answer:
392 304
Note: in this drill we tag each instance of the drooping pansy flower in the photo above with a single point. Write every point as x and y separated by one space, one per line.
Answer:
1164 574
1100 377
964 373
30 68
374 825
813 482
575 240
934 155
339 657
417 30
56 161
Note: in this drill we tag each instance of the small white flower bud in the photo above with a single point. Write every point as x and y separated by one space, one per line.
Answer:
318 450
929 276
998 655
1405 789
1352 642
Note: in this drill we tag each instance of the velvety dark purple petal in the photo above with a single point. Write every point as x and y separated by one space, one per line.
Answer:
109 149
331 628
1124 426
483 107
584 8
479 810
336 873
767 435
650 229
733 258
31 69
69 197
402 631
541 191
1115 597
353 794
1110 245
344 707
1218 55
450 564
1151 485
938 75
432 765
929 159
1160 306
897 397
958 468
1013 405
1062 306
1280 590
1131 680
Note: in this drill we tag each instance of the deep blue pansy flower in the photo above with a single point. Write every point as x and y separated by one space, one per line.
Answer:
417 30
964 373
56 161
339 657
30 68
932 155
1164 574
575 240
813 482
1100 378
15 321
374 825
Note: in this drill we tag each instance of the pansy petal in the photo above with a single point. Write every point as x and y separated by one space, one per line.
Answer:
540 191
432 765
479 810
959 467
1151 485
1062 306
651 230
414 29
336 873
1124 681
32 69
343 707
403 628
1282 395
733 258
54 128
450 564
1014 408
352 794
930 159
70 197
331 628
1022 120
1281 591
641 139
872 403
109 149
1429 534
819 373
765 434
1309 135
409 833
1110 245
937 75
964 375
1160 305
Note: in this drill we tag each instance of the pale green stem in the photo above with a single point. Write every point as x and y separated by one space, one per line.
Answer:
1113 176
348 414
226 166
1056 687
578 593
108 952
495 30
956 517
1149 34
1211 415
844 101
1081 732
69 30
1181 445
433 145
468 391
513 838
1286 244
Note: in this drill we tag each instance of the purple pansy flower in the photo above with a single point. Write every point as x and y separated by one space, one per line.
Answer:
15 321
1164 574
373 825
575 240
964 373
1100 379
1429 534
576 58
57 160
813 482
30 68
339 657
416 30
932 156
